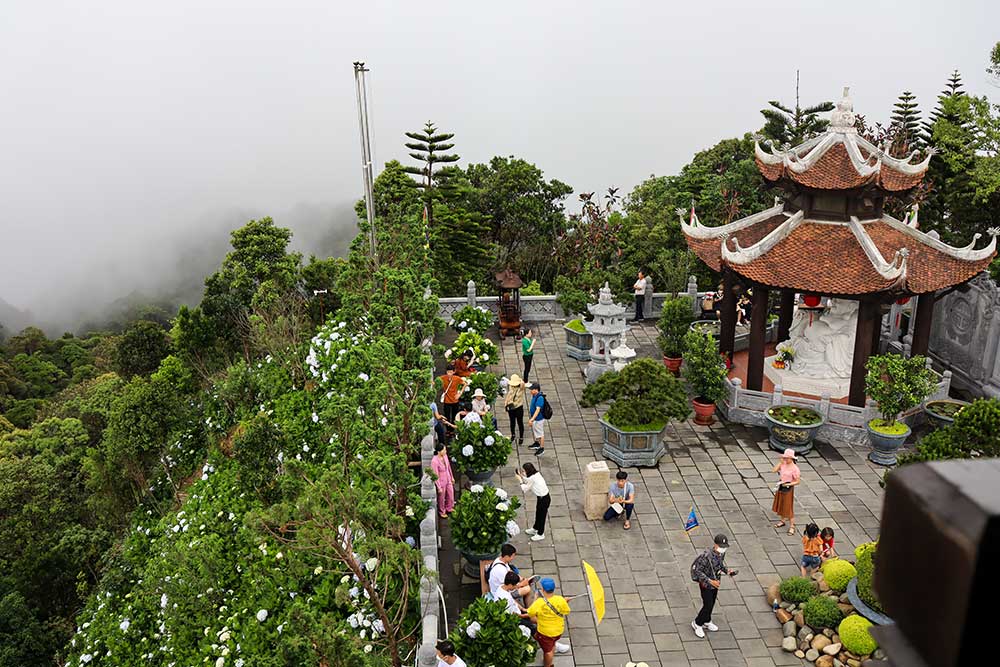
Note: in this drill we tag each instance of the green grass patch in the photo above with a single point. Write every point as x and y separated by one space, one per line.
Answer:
577 326
794 416
888 428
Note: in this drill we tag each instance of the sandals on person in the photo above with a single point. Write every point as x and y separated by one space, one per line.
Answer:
780 524
791 531
628 524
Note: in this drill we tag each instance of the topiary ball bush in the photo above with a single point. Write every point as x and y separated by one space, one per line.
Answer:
862 548
855 637
838 573
866 572
797 589
821 611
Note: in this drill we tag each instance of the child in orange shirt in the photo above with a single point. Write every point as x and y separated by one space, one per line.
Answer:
812 547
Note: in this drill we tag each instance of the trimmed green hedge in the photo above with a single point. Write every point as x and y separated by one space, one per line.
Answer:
855 637
838 573
797 589
821 611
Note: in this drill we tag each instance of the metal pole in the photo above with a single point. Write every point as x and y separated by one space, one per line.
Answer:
366 157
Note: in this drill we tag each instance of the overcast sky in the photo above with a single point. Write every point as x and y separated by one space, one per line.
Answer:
133 129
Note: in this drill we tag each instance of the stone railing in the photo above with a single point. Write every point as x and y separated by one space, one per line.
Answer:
543 308
430 602
843 422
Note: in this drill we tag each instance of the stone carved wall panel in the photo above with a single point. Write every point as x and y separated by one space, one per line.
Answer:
966 336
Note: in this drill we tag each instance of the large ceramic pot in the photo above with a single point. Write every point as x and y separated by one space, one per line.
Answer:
792 427
704 413
884 445
470 562
673 364
578 344
942 413
484 478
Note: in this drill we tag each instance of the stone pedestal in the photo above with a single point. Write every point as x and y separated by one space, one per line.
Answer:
596 480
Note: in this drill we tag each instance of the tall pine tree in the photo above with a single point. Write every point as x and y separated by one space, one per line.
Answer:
951 89
793 126
906 124
429 147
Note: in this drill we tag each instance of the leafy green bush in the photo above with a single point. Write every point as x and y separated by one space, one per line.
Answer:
469 318
864 548
484 519
533 288
577 326
479 448
821 611
855 637
483 348
488 382
937 445
866 572
571 298
255 446
797 589
703 367
487 635
977 427
644 395
673 324
897 384
838 572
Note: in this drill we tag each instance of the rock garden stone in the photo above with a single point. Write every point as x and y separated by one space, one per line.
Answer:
837 663
821 642
784 605
803 645
789 629
831 649
788 644
844 598
824 661
799 618
804 632
774 593
812 654
800 654
851 662
846 608
783 616
879 654
823 587
828 632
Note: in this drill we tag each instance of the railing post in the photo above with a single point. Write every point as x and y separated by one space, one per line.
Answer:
736 392
692 292
946 383
470 293
647 298
824 405
778 396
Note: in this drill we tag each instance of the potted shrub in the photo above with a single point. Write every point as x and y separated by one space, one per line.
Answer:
705 372
896 384
673 324
476 319
792 427
479 450
644 398
578 340
484 349
487 635
484 519
942 412
570 296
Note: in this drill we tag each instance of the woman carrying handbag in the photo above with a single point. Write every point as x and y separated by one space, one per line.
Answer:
789 476
513 403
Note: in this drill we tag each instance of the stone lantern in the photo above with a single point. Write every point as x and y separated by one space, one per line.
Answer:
608 350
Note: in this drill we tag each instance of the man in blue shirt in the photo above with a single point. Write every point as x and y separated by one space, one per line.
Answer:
536 420
621 492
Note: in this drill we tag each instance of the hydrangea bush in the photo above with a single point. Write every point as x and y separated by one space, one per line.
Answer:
472 318
485 518
488 382
484 349
479 448
486 634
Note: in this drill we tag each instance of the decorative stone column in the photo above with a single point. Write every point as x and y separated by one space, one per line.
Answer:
692 292
647 300
596 480
470 293
606 329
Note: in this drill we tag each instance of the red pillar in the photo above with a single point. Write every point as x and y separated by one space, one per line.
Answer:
758 327
785 316
727 315
922 325
868 313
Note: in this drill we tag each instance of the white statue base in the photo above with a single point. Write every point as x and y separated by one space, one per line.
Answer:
802 384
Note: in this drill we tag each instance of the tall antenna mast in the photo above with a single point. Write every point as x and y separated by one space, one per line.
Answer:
361 84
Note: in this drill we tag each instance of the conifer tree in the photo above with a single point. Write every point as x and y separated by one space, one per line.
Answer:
906 123
793 126
429 147
951 89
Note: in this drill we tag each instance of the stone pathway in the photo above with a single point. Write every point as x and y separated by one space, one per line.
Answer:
724 472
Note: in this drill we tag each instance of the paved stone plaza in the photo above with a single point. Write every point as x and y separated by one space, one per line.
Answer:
724 472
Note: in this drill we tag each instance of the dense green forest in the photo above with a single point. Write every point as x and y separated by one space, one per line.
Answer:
201 487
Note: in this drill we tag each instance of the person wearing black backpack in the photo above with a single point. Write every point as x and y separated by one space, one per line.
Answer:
538 411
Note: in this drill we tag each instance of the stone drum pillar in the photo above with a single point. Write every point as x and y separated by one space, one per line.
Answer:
596 480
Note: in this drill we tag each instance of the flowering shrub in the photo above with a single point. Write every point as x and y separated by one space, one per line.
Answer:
484 519
483 348
488 382
854 634
486 634
469 318
479 448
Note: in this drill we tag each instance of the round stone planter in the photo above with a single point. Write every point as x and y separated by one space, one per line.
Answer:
885 446
470 562
633 448
789 435
942 413
484 478
875 617
578 344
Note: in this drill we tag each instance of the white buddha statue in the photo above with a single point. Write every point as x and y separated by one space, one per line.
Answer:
824 342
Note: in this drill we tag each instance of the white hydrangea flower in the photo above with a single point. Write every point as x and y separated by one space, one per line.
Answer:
318 570
220 662
409 511
124 625
476 488
368 648
363 377
513 530
262 615
463 324
467 450
501 494
524 631
371 564
484 356
503 507
489 440
473 629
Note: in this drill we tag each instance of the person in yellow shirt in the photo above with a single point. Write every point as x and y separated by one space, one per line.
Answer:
549 612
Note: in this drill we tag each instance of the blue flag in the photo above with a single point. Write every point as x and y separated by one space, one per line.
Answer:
692 521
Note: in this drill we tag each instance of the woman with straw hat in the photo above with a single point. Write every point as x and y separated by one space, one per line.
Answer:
789 477
513 403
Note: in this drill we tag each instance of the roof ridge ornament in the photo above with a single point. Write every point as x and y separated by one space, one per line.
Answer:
842 118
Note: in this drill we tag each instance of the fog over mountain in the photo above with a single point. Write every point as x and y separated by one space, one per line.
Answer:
136 136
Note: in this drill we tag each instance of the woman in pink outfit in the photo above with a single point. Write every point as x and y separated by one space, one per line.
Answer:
445 482
789 477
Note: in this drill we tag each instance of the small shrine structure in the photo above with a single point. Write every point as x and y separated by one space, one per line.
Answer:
509 302
608 350
829 235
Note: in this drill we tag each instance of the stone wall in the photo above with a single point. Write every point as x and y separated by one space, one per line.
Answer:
965 336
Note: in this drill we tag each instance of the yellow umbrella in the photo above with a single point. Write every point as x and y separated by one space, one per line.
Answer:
596 592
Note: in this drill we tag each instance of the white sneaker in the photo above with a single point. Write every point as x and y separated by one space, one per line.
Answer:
562 648
537 537
530 531
698 629
711 627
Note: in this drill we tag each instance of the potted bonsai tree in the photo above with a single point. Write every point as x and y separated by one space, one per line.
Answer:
644 398
484 519
487 635
705 372
896 384
479 450
676 317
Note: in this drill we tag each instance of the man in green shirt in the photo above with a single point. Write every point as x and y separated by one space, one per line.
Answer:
527 352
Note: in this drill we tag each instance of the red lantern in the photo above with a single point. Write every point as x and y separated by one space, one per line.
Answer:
811 300
902 302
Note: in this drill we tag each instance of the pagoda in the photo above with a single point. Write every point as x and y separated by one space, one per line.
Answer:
829 235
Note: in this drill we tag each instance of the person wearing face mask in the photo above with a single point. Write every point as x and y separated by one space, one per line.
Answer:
707 569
